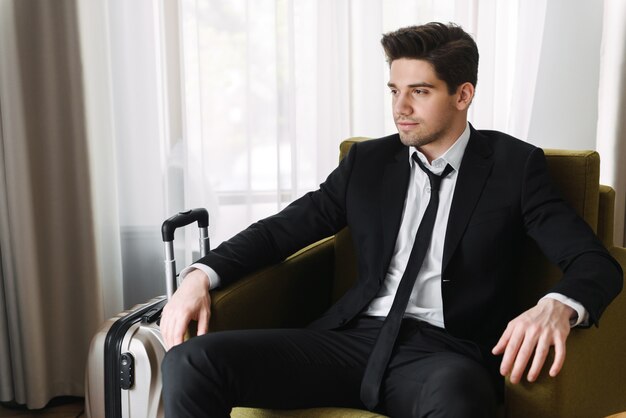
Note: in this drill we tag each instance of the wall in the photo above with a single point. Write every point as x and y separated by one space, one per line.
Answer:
565 109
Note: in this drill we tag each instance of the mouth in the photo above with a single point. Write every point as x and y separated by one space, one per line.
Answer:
404 125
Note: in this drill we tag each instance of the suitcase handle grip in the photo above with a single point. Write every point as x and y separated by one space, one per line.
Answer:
181 219
168 228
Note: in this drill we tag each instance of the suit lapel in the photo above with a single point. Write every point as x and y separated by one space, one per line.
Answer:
394 186
475 168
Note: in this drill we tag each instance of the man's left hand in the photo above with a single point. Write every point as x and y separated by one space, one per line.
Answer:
535 331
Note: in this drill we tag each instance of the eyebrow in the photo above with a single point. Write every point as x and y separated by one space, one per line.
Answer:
422 84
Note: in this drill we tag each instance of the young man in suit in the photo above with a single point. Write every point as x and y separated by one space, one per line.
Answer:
438 213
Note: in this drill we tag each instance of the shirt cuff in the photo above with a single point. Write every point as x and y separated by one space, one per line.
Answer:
214 278
583 315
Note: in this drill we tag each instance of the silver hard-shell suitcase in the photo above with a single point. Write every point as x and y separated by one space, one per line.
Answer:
123 375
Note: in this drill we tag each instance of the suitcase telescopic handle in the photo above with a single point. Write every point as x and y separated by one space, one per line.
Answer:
181 219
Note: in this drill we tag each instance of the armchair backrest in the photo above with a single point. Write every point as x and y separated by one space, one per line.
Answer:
575 174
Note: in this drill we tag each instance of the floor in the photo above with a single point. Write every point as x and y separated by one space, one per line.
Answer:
58 408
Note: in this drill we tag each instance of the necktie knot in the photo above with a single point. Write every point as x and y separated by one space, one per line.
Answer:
435 179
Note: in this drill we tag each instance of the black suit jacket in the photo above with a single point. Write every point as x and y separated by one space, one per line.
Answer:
503 193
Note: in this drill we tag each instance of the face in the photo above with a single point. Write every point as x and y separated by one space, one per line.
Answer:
424 111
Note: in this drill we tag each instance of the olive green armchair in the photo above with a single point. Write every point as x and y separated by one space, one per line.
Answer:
592 382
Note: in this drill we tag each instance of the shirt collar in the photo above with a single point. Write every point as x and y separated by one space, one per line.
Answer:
452 156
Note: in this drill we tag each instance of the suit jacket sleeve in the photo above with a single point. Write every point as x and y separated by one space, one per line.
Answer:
314 216
590 275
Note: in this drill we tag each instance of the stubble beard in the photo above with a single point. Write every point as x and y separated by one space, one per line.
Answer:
419 140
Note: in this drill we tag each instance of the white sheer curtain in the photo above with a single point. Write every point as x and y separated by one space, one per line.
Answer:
99 124
239 106
133 138
271 87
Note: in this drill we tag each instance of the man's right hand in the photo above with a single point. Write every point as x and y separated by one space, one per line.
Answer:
190 302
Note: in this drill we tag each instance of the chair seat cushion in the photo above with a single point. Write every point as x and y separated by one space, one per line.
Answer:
303 413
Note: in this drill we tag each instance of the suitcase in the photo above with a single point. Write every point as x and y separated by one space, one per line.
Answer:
123 374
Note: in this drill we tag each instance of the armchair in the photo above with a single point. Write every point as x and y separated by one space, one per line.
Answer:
593 380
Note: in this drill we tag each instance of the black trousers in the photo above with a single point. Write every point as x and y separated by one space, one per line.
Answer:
431 373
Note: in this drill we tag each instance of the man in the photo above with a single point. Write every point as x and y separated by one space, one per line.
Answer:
438 214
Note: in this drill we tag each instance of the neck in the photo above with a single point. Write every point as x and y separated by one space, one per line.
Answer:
436 149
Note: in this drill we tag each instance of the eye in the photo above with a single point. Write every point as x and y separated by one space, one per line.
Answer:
420 91
393 91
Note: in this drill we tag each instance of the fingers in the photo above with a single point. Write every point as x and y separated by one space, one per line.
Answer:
516 354
503 342
542 350
531 335
541 353
203 322
517 348
173 328
538 347
190 302
172 341
559 357
508 345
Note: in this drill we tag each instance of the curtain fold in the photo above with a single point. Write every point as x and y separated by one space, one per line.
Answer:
51 299
93 23
611 129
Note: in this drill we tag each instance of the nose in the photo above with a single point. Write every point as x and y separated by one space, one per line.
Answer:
401 105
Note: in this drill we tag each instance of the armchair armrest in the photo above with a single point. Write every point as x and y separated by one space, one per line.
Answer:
289 294
593 378
606 215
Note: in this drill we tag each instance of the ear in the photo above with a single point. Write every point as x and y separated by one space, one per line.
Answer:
464 95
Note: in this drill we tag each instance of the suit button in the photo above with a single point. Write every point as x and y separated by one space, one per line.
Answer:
342 321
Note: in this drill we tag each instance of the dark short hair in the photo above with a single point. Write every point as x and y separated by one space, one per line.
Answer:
448 48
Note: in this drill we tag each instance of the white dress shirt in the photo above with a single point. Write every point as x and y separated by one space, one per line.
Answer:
425 303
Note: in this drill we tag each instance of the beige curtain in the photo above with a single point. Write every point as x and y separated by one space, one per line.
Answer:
611 134
49 294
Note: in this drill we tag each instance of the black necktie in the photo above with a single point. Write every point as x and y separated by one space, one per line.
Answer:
379 357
